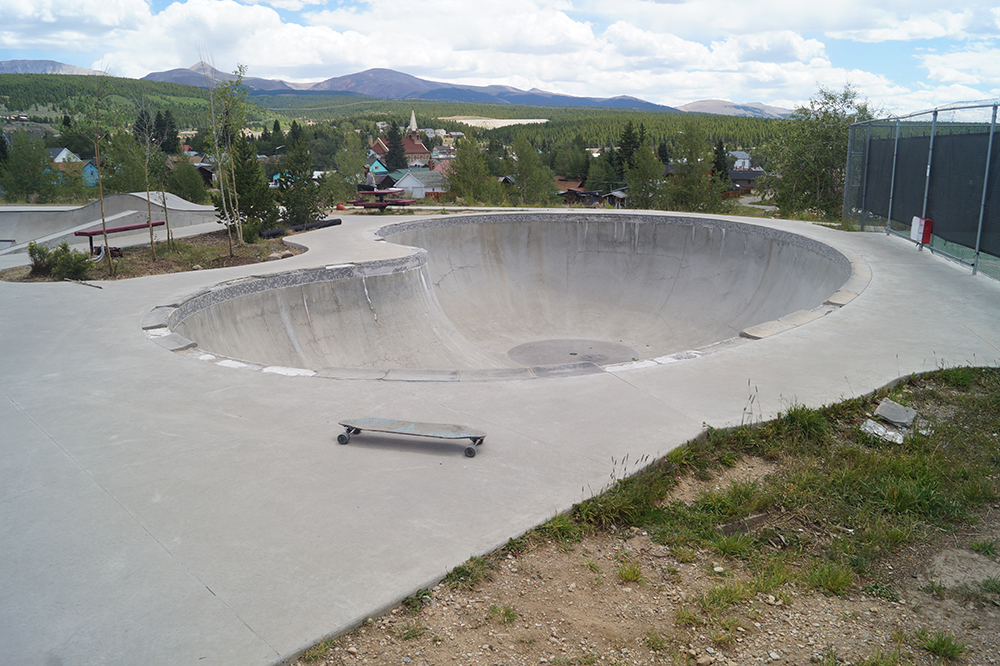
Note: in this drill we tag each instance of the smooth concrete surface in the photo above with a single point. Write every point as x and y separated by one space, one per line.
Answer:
51 225
176 507
477 289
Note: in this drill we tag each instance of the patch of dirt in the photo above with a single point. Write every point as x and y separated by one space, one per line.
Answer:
559 604
748 469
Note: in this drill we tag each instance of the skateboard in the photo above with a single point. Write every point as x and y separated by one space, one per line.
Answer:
436 430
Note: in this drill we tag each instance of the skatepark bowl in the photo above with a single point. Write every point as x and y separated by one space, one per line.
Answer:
520 296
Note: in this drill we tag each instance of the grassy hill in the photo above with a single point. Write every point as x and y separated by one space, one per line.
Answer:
53 95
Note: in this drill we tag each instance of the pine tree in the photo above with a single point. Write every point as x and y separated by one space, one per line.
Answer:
627 145
396 157
256 201
663 152
300 196
171 142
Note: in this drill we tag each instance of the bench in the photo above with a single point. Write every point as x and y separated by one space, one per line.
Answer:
90 233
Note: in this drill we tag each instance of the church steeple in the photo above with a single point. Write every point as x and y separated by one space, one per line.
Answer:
412 128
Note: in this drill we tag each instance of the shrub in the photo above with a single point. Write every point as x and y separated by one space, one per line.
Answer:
41 259
69 263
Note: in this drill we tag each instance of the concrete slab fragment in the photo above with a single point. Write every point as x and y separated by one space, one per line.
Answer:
876 429
895 413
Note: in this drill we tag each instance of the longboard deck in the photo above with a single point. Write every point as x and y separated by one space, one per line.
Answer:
415 428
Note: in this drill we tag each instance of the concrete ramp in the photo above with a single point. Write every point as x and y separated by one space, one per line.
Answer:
532 289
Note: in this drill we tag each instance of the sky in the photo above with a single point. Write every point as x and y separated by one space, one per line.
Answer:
901 55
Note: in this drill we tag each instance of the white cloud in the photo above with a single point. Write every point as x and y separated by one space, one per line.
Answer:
933 25
977 65
53 24
670 52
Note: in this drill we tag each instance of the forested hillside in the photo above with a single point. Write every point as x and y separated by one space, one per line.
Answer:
53 95
597 127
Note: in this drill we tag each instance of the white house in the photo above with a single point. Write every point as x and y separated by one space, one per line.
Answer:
63 155
742 159
420 183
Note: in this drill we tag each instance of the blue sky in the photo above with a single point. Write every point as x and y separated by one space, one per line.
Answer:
903 56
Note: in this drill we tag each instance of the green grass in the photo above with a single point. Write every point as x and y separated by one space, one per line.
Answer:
720 597
416 601
941 644
655 641
467 576
991 585
318 651
504 614
411 630
881 592
988 548
630 572
687 618
562 529
829 577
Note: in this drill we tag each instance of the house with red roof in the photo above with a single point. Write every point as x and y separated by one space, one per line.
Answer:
417 154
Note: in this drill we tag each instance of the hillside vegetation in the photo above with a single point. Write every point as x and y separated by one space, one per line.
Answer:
597 127
52 95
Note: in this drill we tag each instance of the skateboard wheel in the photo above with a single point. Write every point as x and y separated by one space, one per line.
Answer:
470 451
343 438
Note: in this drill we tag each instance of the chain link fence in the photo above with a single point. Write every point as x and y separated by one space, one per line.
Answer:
942 165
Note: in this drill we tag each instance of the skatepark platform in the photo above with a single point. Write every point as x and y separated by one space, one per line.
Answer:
165 503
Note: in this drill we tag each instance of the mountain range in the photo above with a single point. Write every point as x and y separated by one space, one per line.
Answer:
390 84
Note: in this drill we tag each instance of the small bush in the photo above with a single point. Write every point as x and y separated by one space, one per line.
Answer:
59 263
69 263
41 260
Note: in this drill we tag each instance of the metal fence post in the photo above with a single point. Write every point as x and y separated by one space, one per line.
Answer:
930 156
892 181
864 177
986 184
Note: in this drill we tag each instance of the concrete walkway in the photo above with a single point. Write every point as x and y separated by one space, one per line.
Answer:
159 509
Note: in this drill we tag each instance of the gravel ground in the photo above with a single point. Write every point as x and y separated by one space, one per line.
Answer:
567 604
